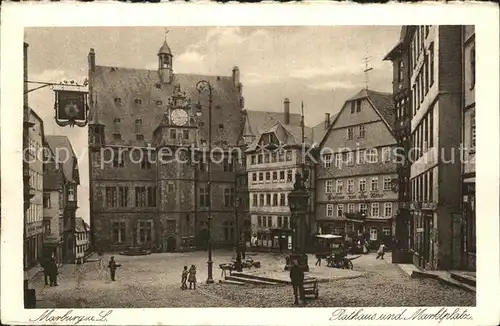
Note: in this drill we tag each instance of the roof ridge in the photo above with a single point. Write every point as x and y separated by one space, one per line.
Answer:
155 70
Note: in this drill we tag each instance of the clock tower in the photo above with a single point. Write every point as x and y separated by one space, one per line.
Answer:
176 173
178 126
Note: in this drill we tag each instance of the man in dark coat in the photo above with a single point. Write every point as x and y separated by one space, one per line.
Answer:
112 267
52 269
297 278
44 262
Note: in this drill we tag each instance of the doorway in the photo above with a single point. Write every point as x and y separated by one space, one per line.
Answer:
171 242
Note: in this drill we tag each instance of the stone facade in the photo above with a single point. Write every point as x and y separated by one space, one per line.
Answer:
162 202
436 82
469 144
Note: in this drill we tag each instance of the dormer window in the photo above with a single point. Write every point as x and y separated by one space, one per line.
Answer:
117 136
118 100
139 137
138 101
221 126
159 103
117 121
158 85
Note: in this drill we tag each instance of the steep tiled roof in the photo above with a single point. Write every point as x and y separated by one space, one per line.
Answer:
81 225
65 155
287 135
384 105
52 176
319 130
128 85
382 102
259 121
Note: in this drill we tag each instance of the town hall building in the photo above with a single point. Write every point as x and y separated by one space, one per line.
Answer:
148 173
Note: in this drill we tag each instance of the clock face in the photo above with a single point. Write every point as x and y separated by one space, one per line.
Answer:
179 117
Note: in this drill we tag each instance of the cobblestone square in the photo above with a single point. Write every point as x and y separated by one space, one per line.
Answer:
154 282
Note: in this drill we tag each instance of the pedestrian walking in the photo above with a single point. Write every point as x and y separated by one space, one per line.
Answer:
318 260
53 272
44 262
184 277
297 278
381 251
192 277
112 267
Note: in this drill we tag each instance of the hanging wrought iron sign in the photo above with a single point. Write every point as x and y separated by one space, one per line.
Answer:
71 105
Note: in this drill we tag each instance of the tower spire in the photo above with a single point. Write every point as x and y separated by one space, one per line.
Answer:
166 32
368 68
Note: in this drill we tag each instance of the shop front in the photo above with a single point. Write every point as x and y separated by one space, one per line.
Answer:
423 250
469 225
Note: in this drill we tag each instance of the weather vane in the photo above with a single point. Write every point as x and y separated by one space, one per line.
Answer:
166 32
367 70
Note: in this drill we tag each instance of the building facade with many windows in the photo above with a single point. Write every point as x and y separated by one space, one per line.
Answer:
60 202
154 194
469 144
436 84
355 194
33 241
273 159
400 57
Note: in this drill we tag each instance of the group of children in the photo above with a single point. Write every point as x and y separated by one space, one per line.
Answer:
188 276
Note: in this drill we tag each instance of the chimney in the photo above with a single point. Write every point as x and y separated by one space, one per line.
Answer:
327 120
92 60
236 76
286 111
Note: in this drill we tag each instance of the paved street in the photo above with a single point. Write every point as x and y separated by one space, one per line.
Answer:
153 281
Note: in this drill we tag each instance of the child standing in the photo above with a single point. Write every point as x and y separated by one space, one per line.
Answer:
192 277
381 251
184 277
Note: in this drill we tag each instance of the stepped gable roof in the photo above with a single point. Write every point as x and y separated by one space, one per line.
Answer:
117 89
81 226
65 156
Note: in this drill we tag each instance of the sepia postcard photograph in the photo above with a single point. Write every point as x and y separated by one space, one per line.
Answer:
185 160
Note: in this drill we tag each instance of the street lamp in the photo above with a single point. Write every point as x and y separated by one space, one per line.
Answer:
203 86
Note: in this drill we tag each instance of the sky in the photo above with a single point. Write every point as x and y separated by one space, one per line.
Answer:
322 66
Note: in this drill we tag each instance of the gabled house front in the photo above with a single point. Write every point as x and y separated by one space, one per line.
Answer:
357 170
65 168
274 156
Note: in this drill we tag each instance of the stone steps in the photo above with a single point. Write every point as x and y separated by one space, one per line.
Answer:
464 278
259 278
231 282
249 280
